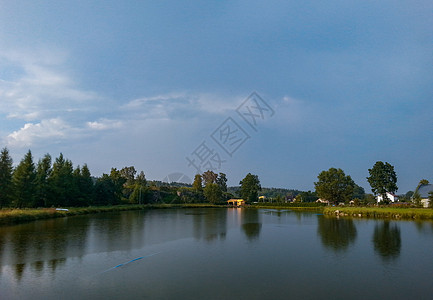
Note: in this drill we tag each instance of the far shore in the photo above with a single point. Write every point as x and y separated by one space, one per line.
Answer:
17 216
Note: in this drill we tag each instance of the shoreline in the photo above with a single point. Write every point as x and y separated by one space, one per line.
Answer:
380 213
19 216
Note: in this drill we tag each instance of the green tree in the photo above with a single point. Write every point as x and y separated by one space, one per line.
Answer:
6 171
43 171
140 190
197 185
104 191
128 173
250 186
222 182
108 188
86 185
358 192
24 182
83 186
333 185
118 182
382 179
306 197
209 177
63 189
212 192
369 199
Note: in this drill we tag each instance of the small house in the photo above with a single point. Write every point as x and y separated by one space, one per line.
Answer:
423 192
236 202
320 200
391 197
290 198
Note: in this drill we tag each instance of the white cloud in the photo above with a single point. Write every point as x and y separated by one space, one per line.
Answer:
166 106
104 124
37 87
45 130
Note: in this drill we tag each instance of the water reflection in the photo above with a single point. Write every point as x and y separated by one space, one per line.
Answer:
46 245
336 234
42 260
210 225
250 223
424 227
387 240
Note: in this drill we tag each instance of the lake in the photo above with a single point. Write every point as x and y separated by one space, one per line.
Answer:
216 254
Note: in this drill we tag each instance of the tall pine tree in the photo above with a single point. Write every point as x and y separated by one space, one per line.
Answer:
61 182
6 169
43 171
85 186
24 182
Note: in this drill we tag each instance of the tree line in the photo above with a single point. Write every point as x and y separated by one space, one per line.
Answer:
334 185
57 183
212 187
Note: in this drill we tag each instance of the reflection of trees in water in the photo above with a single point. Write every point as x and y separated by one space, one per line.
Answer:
336 234
387 240
19 270
251 225
42 244
45 245
2 242
210 224
424 227
277 213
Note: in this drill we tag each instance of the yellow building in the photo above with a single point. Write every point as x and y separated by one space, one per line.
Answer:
236 202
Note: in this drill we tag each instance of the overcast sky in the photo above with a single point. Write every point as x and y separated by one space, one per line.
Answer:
161 84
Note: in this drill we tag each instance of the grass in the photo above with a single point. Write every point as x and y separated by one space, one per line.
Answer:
16 216
381 212
298 206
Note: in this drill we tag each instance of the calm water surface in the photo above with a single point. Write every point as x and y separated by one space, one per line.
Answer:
216 254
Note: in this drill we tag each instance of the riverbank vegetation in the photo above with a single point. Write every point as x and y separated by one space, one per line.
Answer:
290 205
409 213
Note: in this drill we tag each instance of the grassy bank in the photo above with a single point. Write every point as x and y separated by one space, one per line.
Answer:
16 216
309 208
381 212
299 206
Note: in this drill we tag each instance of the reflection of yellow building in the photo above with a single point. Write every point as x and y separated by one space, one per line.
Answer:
237 202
